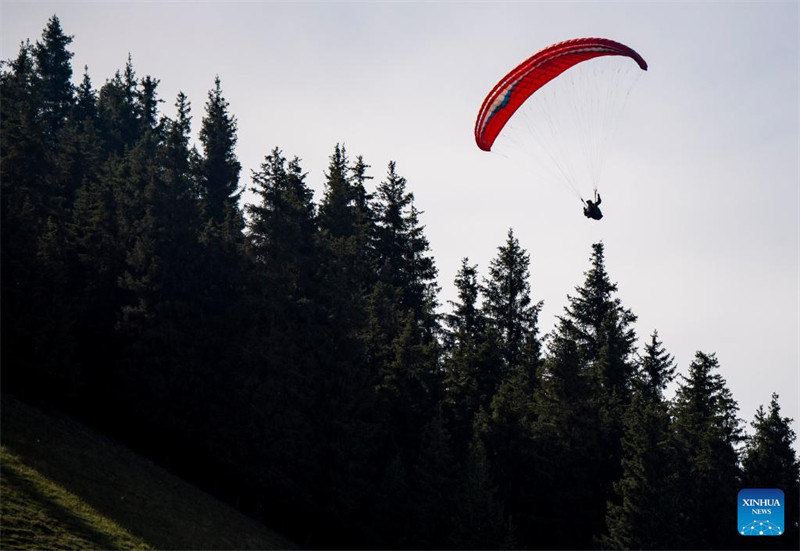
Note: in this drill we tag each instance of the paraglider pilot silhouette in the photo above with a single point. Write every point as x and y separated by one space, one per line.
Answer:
592 208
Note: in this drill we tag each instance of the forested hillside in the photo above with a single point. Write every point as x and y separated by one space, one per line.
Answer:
291 357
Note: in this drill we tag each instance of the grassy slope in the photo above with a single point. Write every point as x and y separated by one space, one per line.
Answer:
36 513
76 489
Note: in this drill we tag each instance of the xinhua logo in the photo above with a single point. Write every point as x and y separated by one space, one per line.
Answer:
760 512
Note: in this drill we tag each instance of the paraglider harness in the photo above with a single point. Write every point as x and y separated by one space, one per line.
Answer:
591 208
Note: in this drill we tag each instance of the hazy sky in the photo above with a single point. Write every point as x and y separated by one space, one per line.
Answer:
700 189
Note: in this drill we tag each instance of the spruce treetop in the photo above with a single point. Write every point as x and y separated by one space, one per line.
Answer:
770 460
337 209
403 249
220 167
466 315
359 178
147 102
130 85
179 129
656 370
86 99
54 69
587 311
704 398
508 304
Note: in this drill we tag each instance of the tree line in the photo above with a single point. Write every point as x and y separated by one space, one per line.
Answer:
291 356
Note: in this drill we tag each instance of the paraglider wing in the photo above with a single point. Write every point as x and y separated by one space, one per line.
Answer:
533 73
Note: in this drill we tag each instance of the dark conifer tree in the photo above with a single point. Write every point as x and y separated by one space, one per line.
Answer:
179 157
80 157
586 312
707 434
345 221
348 422
283 358
54 68
770 462
94 256
219 167
161 266
176 207
512 319
222 237
508 305
220 272
118 112
283 228
472 358
103 124
614 375
339 210
466 319
655 370
72 158
21 170
56 97
36 305
404 261
133 127
586 385
362 199
85 100
147 104
53 101
402 324
644 513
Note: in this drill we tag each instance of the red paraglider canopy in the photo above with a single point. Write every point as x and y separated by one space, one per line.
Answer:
533 73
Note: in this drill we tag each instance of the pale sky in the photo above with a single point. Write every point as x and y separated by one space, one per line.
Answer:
700 189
